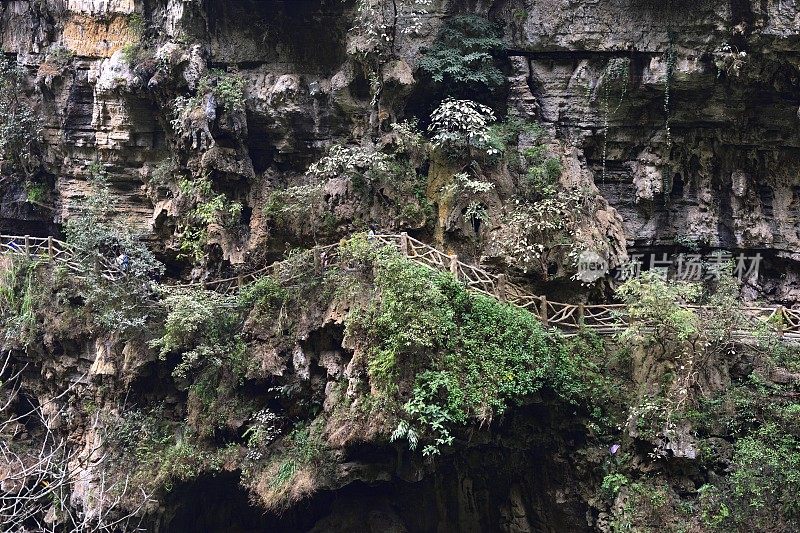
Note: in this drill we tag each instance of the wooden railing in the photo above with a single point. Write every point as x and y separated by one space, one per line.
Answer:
50 249
282 270
605 319
600 318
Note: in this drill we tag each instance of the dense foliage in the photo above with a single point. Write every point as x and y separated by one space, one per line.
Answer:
104 241
207 207
452 356
376 176
745 431
464 56
18 284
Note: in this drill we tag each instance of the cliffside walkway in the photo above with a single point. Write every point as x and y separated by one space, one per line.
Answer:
604 319
51 249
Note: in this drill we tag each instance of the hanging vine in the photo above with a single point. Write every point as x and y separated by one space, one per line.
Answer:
614 79
670 58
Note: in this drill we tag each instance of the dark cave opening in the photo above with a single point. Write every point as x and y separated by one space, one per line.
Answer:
505 479
301 32
24 409
677 187
211 504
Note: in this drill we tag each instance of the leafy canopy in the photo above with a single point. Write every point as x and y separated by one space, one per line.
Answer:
458 125
655 310
463 57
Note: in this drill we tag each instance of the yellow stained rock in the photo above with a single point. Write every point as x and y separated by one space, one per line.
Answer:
94 37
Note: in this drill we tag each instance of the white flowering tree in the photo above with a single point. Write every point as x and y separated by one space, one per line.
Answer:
458 126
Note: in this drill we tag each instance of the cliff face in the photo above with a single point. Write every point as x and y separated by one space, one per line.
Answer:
720 134
225 134
692 139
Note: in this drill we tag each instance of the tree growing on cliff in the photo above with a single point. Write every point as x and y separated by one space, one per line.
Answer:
464 56
378 23
19 127
461 126
102 237
372 41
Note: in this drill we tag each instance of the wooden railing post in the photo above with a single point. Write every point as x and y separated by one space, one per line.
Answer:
404 243
317 261
240 280
50 251
501 287
780 314
581 311
454 265
543 310
28 245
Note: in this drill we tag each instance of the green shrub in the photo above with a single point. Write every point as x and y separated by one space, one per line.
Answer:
362 164
304 447
541 180
265 294
228 89
373 176
299 465
464 55
466 357
153 455
760 494
98 231
134 52
613 483
509 131
300 201
412 322
208 207
99 228
136 23
460 125
714 513
35 193
646 502
766 476
655 310
203 327
537 233
19 297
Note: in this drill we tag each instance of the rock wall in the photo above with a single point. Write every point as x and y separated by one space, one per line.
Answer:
684 114
678 121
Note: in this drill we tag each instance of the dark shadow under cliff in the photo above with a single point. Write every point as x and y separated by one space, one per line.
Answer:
517 477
